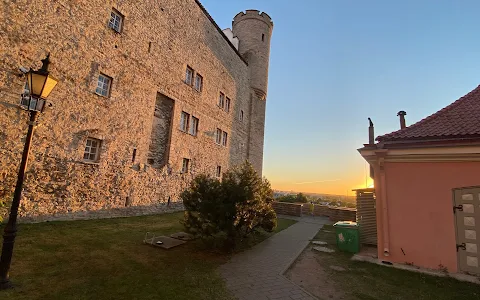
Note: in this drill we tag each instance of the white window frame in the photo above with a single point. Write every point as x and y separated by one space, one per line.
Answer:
193 128
219 171
227 104
224 138
184 121
189 76
218 136
104 85
185 165
91 149
198 82
116 20
221 100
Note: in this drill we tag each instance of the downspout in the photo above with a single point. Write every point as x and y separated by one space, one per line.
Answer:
383 192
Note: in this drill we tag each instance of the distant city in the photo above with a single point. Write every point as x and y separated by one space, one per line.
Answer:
324 199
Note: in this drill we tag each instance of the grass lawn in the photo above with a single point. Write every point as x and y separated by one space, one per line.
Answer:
106 259
367 281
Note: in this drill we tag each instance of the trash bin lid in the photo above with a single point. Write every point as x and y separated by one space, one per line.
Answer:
346 224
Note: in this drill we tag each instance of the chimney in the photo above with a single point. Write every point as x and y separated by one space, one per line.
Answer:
371 133
402 115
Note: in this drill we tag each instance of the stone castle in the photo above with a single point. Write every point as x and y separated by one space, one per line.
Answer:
150 94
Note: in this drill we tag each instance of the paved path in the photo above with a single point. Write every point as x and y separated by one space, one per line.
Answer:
257 274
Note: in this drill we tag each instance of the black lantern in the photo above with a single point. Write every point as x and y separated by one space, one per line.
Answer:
38 87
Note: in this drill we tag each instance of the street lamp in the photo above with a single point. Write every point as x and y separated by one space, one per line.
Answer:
39 86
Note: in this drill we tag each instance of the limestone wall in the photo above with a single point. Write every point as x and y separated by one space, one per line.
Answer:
149 56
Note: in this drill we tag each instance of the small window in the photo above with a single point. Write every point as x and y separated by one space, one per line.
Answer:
221 100
92 150
194 126
185 165
227 104
241 115
104 85
116 20
263 37
189 76
219 171
218 136
224 139
184 120
198 82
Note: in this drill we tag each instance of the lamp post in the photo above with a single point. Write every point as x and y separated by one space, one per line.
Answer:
40 84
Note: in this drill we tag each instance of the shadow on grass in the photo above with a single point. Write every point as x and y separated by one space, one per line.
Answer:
106 259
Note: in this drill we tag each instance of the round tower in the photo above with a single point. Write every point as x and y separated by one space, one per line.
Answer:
254 30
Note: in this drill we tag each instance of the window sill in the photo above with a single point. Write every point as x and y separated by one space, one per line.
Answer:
86 162
100 95
187 133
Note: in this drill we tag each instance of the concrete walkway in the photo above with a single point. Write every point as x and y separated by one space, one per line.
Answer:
257 274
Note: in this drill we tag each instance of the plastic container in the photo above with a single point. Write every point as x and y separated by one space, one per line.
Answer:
348 239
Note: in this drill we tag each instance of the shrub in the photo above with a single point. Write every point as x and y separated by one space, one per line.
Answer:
233 208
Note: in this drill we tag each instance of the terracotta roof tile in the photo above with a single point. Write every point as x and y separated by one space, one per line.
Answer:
460 119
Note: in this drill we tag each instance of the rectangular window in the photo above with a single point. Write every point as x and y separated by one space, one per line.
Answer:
104 84
221 100
194 126
218 136
185 165
241 115
224 139
189 76
184 120
198 82
227 104
219 171
116 20
92 150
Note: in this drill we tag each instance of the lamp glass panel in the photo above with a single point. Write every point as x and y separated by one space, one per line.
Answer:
37 81
49 85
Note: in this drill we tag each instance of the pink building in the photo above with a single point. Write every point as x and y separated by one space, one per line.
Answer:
427 185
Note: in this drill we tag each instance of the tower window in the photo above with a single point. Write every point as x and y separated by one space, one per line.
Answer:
227 104
198 82
221 100
92 150
263 37
219 171
218 136
224 139
194 126
104 84
189 76
185 165
241 115
116 20
184 120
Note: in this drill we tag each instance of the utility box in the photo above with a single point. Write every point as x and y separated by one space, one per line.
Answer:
348 239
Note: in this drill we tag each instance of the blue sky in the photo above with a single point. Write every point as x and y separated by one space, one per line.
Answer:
335 63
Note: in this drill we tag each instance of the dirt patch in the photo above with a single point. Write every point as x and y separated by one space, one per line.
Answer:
335 276
312 272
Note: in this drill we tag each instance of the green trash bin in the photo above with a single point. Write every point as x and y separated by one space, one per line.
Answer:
348 239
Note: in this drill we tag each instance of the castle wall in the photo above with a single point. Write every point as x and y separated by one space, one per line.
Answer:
149 56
